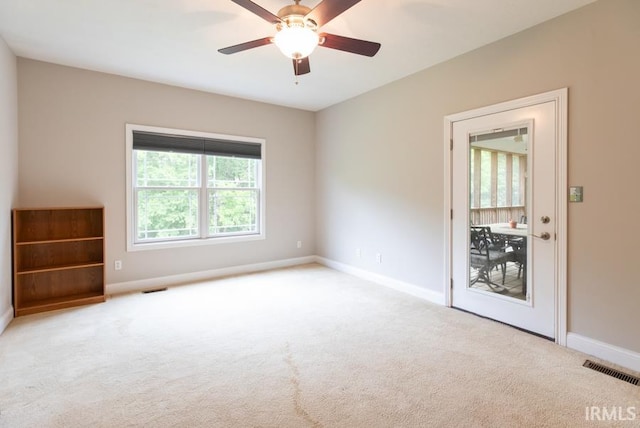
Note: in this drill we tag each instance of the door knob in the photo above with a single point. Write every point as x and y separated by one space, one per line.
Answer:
545 236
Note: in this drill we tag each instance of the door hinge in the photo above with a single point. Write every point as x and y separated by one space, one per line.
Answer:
451 214
451 284
451 144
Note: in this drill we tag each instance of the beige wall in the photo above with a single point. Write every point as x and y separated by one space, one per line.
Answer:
380 160
72 152
8 172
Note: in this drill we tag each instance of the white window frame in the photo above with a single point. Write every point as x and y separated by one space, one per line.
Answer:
132 245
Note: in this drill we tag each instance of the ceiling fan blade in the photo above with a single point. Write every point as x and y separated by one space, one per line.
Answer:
347 44
301 66
258 10
247 45
326 10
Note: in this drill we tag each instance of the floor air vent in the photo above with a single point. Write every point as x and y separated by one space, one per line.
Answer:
611 372
155 290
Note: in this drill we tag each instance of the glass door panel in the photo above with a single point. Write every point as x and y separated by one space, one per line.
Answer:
498 212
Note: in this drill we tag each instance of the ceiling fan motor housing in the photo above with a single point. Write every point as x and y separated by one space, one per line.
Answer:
294 15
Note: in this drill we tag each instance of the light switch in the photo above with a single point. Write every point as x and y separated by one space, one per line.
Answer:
575 194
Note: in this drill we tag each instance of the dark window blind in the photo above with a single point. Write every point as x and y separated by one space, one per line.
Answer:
498 134
198 145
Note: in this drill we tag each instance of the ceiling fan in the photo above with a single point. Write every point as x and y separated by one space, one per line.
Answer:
297 32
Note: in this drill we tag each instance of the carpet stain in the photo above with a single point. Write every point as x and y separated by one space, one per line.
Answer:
297 392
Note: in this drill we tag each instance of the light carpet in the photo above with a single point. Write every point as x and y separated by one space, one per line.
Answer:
297 347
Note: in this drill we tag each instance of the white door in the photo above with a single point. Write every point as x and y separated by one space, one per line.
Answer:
503 230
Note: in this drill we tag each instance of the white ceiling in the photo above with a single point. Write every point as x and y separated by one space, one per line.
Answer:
176 41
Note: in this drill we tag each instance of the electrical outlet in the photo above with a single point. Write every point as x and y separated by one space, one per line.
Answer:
379 257
358 253
117 265
299 244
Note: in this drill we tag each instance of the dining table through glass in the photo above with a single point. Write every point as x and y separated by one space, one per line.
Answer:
515 239
506 229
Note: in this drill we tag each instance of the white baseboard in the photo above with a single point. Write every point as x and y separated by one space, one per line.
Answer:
405 287
151 283
620 356
6 318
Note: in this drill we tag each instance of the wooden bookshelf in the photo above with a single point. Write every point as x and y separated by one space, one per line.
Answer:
58 258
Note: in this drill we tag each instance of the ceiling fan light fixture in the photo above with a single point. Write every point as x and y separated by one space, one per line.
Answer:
296 40
297 35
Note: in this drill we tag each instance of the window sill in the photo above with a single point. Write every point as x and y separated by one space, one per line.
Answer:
193 242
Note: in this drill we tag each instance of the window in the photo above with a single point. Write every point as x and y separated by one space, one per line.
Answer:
497 178
190 188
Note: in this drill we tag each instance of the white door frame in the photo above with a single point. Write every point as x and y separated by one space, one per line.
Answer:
560 98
